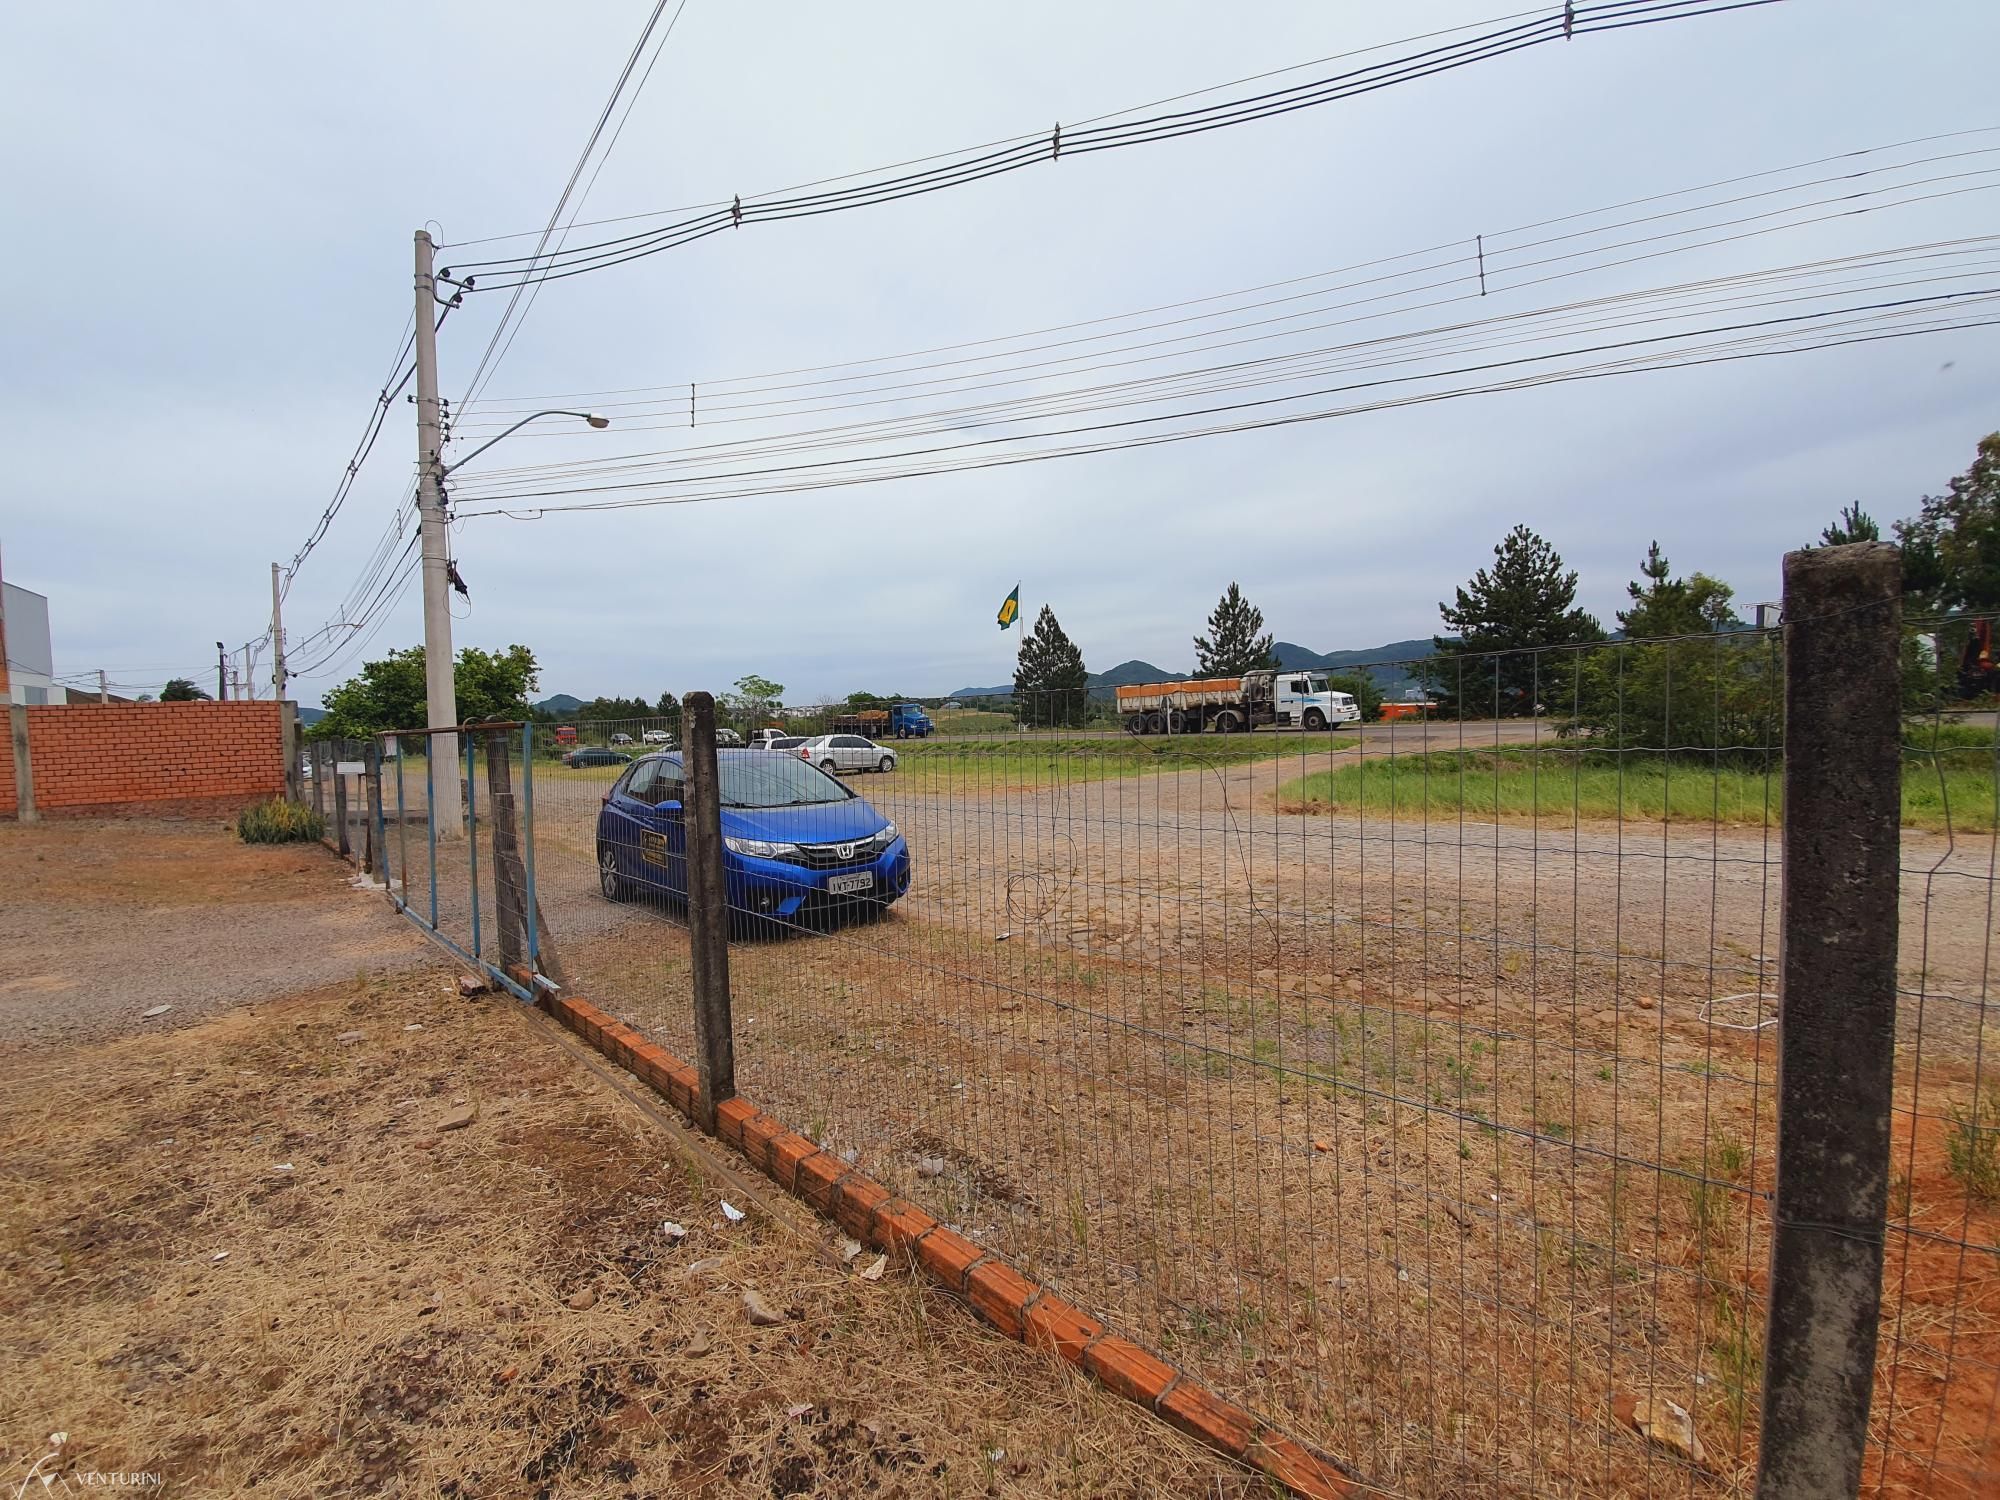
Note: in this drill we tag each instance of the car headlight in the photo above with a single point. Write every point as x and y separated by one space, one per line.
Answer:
759 848
887 836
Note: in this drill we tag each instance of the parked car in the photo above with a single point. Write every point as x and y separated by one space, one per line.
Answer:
785 742
728 738
796 843
595 755
657 737
761 739
847 752
621 738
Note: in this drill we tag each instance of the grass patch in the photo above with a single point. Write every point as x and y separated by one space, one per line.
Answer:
1972 1146
1952 786
280 822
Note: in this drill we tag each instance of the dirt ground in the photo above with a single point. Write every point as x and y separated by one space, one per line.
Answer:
254 1251
1431 1139
103 920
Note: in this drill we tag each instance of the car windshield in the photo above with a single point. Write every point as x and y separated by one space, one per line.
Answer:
775 781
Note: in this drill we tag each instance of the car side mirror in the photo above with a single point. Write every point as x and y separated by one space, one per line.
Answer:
669 806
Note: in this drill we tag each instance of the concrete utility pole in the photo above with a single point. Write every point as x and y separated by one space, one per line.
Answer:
103 687
277 640
441 692
221 673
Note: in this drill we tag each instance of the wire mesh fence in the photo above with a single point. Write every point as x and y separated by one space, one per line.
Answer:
1412 1082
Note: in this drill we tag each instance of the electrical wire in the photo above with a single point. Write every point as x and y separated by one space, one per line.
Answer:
480 374
504 272
1781 333
1034 135
1458 270
1879 273
1874 271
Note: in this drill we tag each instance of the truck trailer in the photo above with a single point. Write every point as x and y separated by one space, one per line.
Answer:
1229 705
904 721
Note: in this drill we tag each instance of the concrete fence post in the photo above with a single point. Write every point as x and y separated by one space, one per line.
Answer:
24 763
510 879
288 747
340 802
1837 1014
708 909
371 836
316 752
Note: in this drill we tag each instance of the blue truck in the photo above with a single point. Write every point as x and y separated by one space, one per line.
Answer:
902 721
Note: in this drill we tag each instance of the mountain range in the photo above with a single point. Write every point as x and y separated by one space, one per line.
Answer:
1388 664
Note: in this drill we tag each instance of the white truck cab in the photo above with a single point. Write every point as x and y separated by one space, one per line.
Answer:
1303 698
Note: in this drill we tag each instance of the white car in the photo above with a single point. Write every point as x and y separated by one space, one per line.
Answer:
621 738
847 752
657 737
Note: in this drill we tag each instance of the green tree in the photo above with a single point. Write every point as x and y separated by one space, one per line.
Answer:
1951 564
1854 525
1051 684
1362 685
180 690
756 701
1233 645
1687 676
493 685
1951 548
390 693
1505 618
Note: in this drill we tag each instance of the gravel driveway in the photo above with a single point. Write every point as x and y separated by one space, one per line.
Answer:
103 920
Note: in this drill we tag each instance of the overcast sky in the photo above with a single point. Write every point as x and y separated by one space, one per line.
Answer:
212 208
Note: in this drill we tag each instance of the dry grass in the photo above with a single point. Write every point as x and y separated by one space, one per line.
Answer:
393 1314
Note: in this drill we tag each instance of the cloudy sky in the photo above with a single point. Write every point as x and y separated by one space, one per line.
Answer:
210 269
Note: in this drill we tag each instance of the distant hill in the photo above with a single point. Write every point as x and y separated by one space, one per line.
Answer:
1391 678
1102 684
310 716
561 703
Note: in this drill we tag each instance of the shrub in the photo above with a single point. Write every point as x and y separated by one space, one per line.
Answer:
279 822
1972 1147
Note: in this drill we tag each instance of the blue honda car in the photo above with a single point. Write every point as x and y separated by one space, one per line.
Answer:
797 844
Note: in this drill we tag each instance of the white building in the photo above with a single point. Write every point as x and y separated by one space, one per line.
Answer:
31 662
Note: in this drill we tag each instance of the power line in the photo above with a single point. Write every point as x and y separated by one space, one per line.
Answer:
1457 267
1085 139
825 473
1037 135
1877 272
631 61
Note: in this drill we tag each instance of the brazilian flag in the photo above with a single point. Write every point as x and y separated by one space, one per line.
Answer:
1010 608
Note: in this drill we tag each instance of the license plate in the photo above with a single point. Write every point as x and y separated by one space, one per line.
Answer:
847 885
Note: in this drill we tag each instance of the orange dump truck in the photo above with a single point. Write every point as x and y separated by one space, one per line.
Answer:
1229 705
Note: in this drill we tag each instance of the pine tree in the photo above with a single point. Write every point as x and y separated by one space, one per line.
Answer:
1505 617
1232 645
1854 525
1051 686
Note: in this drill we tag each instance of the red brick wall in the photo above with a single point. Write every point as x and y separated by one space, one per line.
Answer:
150 757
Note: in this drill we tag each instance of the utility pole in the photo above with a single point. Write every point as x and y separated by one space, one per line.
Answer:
103 687
221 673
277 640
448 813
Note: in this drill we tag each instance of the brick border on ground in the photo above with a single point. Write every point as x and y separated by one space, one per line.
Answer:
1000 1294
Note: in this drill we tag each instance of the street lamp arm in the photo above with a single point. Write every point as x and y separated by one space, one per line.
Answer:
589 416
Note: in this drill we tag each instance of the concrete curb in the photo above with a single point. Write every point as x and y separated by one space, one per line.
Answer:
1004 1298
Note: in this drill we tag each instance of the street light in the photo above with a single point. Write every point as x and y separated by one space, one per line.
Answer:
593 418
441 688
